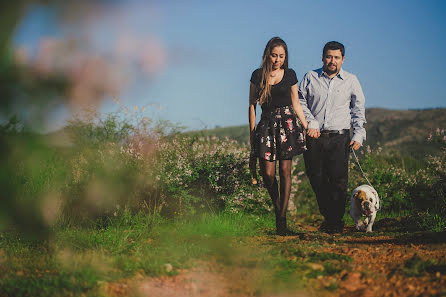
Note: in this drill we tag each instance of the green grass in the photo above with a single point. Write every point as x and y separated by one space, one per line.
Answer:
77 259
80 260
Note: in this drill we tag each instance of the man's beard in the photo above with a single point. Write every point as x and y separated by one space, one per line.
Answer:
328 71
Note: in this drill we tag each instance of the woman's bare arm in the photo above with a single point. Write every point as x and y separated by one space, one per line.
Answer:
296 106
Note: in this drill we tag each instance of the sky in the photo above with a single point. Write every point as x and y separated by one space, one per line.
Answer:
190 61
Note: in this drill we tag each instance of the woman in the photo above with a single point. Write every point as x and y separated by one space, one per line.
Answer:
278 136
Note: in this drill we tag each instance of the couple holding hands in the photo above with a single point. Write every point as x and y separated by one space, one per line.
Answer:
313 118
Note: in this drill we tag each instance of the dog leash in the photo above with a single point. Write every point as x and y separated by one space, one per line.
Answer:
357 162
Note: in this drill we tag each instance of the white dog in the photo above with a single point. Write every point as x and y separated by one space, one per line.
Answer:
364 202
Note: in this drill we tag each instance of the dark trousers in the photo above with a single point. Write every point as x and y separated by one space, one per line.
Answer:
326 164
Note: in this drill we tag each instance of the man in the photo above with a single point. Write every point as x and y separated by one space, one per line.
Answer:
333 101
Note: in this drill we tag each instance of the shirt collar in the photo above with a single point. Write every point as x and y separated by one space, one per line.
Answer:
341 74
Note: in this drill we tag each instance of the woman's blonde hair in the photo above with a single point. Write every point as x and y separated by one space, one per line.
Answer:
266 68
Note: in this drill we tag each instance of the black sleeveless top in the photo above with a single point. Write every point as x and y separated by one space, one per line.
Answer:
280 92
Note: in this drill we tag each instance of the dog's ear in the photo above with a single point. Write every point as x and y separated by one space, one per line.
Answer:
360 195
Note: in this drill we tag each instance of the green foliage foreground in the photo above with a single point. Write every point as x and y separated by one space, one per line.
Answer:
126 197
84 260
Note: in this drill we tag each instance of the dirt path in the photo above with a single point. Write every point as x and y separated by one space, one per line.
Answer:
401 265
382 264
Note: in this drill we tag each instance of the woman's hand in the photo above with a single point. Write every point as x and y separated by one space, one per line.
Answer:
314 133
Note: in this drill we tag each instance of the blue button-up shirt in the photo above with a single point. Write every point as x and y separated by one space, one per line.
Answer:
333 104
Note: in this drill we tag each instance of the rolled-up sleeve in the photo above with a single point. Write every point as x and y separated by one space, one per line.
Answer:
357 107
303 93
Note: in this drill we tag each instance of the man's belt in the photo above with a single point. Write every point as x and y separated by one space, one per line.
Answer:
334 132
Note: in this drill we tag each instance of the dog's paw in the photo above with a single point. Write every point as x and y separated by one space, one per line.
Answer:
360 227
369 229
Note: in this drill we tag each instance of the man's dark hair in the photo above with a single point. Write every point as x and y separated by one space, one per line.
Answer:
333 45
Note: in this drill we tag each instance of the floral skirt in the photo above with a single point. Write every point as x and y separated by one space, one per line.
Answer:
279 135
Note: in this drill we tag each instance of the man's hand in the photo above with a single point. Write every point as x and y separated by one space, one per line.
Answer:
315 133
355 145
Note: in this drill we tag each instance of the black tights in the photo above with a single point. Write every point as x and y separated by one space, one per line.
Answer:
268 170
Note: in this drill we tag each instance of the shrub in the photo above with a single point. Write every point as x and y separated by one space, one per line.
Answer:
418 190
206 172
116 162
109 166
428 193
136 165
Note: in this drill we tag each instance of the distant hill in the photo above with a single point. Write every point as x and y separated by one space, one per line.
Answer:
405 131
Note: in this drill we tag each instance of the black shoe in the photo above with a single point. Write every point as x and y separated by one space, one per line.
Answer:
337 228
324 227
281 227
287 232
332 228
279 224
